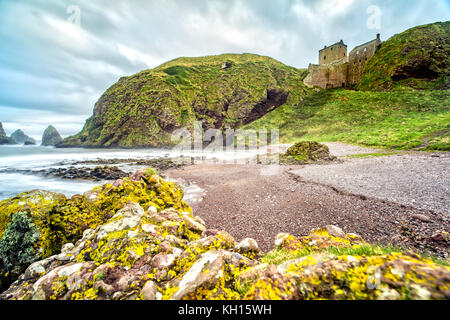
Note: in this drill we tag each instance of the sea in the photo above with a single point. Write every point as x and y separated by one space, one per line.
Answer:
19 165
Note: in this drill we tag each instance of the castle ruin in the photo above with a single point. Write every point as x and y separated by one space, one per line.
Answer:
337 69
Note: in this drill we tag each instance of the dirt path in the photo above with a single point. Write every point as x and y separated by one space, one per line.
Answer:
238 199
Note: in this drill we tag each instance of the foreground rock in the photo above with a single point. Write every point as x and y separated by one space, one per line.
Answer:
148 245
51 137
35 225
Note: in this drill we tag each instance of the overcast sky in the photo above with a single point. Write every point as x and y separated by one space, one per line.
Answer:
57 57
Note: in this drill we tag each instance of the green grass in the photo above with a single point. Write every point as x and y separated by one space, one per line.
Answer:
278 256
418 58
394 119
372 155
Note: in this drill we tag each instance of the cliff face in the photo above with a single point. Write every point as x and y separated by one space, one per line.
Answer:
2 131
418 57
223 91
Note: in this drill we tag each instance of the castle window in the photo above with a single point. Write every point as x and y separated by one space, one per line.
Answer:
365 49
324 57
357 52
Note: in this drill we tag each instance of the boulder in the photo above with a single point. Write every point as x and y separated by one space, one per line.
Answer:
306 152
205 273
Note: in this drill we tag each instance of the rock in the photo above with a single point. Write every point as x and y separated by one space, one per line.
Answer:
252 274
4 140
7 141
335 231
127 218
138 175
118 183
51 137
101 286
152 210
306 152
2 131
248 245
193 225
440 236
163 261
205 273
421 217
91 196
227 65
20 137
149 291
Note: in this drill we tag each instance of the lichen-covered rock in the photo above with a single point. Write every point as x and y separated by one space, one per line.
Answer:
59 221
126 259
151 249
335 265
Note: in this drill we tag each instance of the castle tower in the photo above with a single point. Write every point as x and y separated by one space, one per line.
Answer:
333 53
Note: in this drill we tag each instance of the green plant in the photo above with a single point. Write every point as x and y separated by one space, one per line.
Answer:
17 250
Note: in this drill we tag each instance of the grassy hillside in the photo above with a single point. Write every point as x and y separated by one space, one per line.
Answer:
224 91
402 101
395 119
418 58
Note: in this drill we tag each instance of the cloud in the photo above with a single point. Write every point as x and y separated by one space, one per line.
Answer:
53 71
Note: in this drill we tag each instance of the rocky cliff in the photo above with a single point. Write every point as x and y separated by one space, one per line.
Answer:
418 58
223 91
136 239
4 139
51 137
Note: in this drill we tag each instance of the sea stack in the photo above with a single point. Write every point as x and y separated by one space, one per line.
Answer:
2 131
3 138
51 137
21 138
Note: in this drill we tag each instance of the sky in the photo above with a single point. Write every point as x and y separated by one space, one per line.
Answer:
57 57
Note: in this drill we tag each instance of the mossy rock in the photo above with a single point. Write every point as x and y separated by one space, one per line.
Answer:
59 220
306 152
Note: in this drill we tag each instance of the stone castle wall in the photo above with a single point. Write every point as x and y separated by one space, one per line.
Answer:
341 70
332 53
